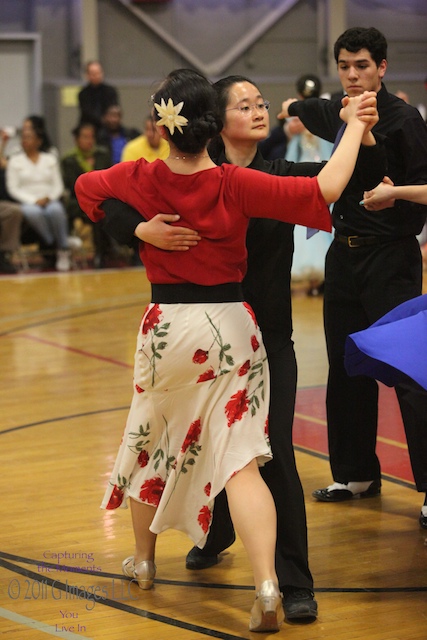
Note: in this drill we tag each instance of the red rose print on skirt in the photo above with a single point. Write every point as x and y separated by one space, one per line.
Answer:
209 374
244 368
251 312
200 356
207 489
116 498
143 458
254 343
236 406
192 436
204 518
151 319
151 490
138 389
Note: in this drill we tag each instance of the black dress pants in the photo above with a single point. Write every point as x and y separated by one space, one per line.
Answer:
361 285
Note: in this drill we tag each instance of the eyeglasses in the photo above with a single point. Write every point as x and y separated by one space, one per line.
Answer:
246 110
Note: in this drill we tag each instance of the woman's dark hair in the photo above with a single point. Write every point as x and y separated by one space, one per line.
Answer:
83 125
39 128
222 88
358 38
200 108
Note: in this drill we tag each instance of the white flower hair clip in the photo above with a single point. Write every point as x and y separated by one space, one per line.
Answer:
169 115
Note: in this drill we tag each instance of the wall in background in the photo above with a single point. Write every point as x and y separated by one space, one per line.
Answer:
135 56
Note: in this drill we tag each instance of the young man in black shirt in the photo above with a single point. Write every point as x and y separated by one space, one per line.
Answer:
373 265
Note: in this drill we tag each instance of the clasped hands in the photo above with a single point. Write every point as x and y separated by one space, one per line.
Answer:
379 198
363 107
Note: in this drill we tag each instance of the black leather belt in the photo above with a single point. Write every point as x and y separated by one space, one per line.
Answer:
188 293
361 241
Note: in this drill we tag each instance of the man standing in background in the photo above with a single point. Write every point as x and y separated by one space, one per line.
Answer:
96 96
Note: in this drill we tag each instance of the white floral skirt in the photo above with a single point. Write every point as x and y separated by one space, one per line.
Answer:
199 412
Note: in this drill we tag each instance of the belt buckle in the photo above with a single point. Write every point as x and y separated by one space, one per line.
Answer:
350 242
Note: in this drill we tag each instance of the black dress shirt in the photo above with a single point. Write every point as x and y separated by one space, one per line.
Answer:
406 147
94 101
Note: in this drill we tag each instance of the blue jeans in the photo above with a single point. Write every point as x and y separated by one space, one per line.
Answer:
50 222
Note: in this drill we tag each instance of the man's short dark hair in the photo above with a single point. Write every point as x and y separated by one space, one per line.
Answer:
358 38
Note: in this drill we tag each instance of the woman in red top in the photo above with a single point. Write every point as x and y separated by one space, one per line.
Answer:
198 420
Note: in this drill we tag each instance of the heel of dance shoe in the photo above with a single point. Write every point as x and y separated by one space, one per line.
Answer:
267 612
144 572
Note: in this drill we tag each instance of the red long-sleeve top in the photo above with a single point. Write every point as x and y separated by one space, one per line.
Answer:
217 203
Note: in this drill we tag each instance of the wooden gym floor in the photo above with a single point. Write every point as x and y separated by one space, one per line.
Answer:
67 343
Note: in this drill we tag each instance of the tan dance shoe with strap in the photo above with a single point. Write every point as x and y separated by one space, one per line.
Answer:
267 612
144 572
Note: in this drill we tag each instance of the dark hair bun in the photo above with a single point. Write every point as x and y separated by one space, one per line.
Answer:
205 127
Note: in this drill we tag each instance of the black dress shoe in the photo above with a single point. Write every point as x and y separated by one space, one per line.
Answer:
423 520
299 604
205 558
195 559
340 495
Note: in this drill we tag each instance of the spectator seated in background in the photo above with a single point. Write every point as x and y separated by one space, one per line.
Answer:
85 156
33 178
150 145
10 216
10 232
113 134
